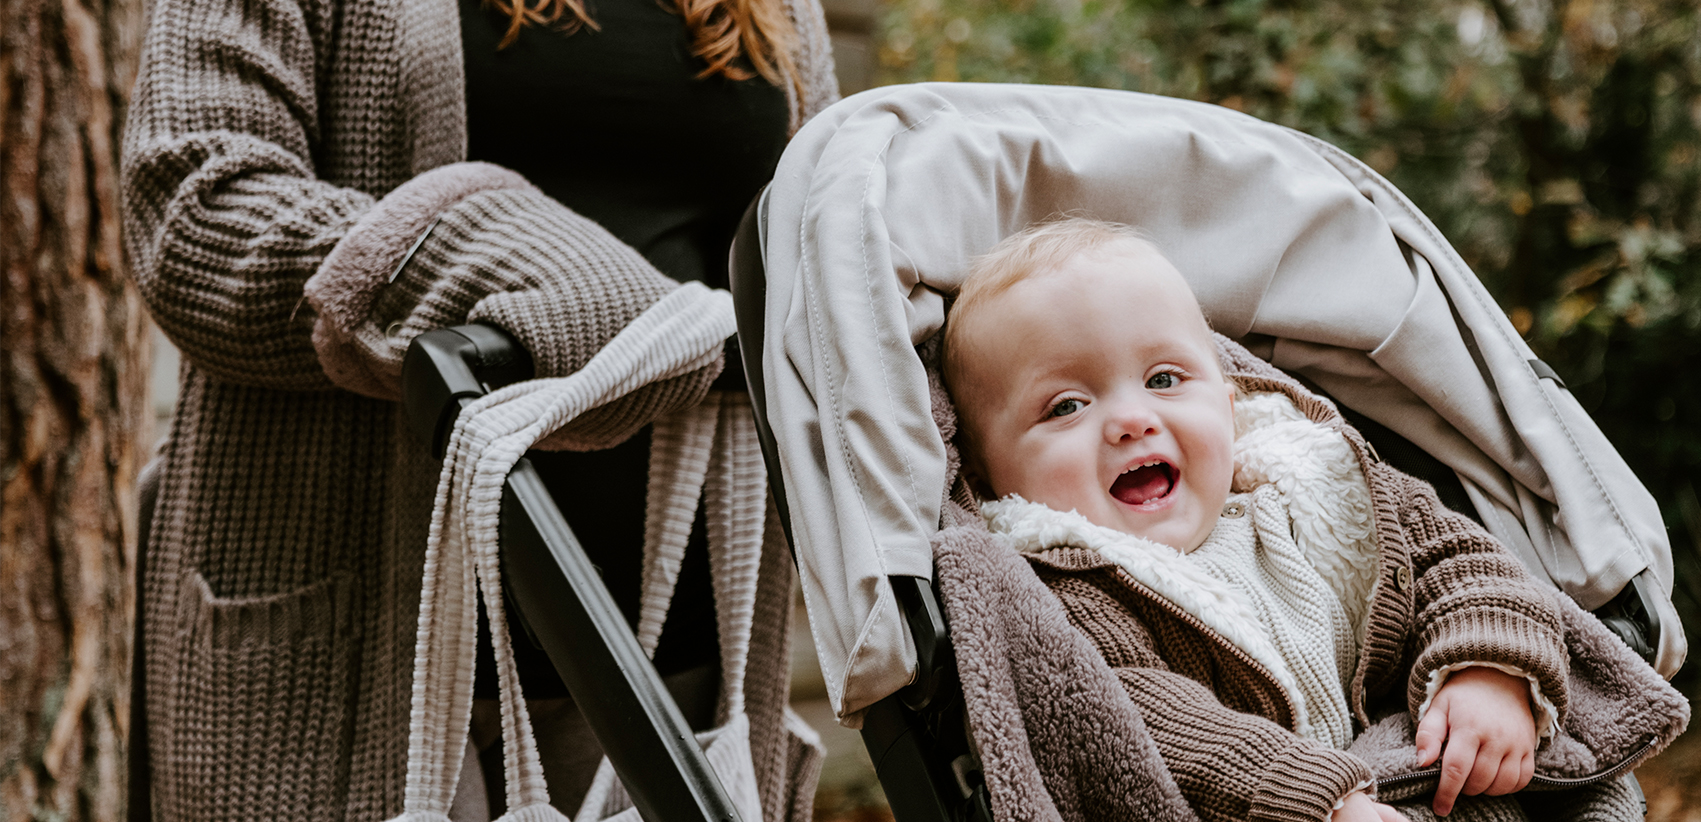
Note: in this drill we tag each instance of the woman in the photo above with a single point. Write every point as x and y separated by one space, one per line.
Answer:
270 141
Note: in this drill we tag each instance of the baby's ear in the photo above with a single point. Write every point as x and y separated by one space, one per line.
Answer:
978 484
970 471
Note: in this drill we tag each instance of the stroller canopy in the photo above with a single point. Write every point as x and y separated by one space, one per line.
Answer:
1294 248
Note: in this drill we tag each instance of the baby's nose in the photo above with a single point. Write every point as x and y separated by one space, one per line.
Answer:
1130 421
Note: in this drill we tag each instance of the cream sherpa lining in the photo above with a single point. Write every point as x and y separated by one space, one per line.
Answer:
1328 502
1323 486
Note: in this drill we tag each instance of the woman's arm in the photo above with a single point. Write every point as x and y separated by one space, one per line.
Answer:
225 217
228 222
495 249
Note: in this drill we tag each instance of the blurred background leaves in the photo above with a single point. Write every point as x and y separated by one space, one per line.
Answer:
1557 143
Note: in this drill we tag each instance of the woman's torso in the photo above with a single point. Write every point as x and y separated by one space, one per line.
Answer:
616 124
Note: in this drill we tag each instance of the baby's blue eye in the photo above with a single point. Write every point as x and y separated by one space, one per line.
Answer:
1161 381
1065 408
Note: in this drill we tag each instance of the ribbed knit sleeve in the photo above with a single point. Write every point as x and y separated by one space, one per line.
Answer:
1232 765
224 216
1475 602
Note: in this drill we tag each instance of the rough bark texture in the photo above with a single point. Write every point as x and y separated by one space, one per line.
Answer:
72 401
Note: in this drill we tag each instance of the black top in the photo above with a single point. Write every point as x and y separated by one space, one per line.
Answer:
616 125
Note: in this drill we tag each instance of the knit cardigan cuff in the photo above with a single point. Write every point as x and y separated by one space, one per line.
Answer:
369 257
1305 782
1508 640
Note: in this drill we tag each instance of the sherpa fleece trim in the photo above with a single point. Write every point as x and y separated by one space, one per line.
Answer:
1546 715
347 282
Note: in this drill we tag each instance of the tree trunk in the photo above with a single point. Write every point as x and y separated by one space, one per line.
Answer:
72 410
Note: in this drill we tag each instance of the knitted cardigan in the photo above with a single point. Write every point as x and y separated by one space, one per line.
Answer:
269 141
1220 723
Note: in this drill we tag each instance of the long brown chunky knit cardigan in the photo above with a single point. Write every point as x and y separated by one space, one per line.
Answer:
1149 681
283 568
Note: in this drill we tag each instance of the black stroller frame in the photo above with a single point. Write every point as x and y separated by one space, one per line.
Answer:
559 596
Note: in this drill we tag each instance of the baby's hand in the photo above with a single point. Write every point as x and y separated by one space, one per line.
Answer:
1361 808
1484 717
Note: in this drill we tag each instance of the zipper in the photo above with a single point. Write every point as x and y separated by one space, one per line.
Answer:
1547 781
1184 616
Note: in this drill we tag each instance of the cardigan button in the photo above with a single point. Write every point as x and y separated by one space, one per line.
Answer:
1402 578
1234 510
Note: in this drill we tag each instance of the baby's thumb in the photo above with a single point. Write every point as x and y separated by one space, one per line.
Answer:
1431 731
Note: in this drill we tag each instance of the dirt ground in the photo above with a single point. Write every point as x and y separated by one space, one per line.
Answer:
1672 781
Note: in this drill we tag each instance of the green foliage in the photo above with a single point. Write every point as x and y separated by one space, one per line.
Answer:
1557 143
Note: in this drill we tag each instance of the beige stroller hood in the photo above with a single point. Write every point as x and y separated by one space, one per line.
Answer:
1294 248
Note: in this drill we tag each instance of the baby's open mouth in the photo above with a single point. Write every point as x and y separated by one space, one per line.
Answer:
1144 483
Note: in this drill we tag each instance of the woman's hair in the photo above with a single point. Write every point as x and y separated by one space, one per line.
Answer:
721 32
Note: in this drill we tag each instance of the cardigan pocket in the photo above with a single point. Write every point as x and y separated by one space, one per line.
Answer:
263 705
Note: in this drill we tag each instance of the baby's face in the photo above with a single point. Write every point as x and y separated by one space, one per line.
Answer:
1096 388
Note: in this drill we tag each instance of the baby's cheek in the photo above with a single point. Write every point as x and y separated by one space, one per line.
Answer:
1060 484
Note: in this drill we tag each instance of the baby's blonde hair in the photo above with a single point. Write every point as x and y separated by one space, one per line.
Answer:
1039 248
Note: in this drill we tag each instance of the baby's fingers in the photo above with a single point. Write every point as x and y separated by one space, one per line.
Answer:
1431 732
1515 773
1457 765
1486 771
1385 813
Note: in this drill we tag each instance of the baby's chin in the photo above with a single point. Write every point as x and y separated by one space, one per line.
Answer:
1184 537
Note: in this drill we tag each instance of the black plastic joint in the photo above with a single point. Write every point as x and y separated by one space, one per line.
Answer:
447 368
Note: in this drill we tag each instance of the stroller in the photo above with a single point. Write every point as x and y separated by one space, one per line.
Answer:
1295 249
843 268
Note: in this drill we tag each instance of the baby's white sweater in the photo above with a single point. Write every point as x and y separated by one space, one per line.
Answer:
1300 614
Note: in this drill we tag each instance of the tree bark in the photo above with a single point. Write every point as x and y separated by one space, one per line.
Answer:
73 394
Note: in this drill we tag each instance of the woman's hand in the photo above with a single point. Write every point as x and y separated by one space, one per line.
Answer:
1483 716
1361 808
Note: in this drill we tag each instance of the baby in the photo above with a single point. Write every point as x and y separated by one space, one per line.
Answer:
1086 380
